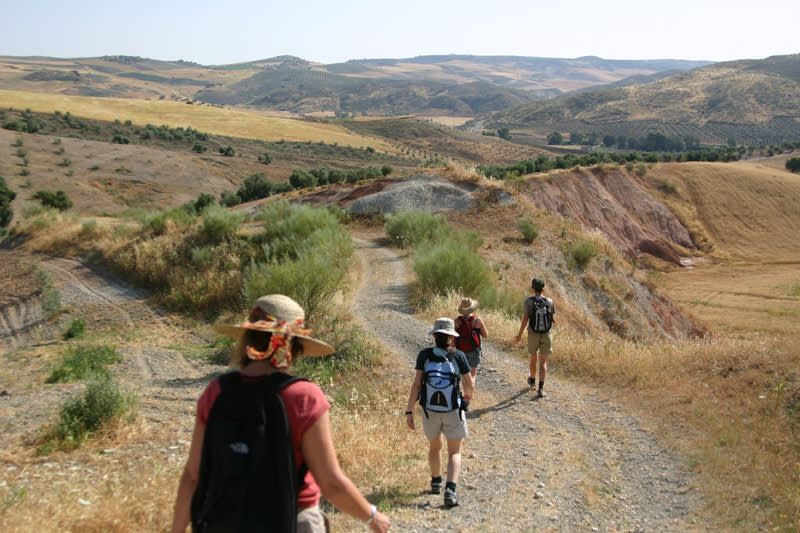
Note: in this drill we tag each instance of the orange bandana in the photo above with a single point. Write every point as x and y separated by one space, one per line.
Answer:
279 351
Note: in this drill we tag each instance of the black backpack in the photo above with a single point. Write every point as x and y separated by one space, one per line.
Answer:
541 320
248 479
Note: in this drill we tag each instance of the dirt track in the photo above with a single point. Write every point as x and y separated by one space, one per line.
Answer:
573 461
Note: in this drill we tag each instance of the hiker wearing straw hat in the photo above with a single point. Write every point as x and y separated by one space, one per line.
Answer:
471 329
262 453
440 372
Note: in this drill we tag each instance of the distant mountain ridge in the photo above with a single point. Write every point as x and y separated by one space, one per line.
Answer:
464 85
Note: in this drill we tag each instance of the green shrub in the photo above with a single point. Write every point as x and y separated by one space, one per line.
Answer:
219 223
220 351
313 274
81 362
411 228
51 296
502 298
6 197
159 222
58 200
288 228
449 265
102 401
355 350
255 187
580 254
529 229
88 228
75 330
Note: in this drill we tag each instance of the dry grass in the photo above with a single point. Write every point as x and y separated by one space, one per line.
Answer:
748 210
212 120
729 403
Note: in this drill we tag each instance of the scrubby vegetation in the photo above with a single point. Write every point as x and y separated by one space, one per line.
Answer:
102 402
447 262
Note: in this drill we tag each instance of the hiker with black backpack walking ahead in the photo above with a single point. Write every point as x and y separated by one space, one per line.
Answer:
470 328
538 314
440 372
261 451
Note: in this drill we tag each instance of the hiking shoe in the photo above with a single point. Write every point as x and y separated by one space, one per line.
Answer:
540 394
450 498
436 487
531 382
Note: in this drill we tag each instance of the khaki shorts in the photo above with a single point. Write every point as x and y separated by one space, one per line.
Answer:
452 423
541 342
311 520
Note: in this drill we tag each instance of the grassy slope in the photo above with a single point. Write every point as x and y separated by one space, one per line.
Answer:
214 120
736 207
749 209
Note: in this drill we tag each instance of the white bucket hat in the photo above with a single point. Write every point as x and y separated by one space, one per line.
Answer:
444 325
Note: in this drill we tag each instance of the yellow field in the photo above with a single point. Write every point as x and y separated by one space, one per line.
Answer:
208 119
748 210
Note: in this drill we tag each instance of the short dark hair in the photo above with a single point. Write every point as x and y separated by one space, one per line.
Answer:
441 340
537 284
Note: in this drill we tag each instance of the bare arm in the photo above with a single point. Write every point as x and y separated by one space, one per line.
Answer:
413 396
468 384
188 482
482 327
320 456
522 326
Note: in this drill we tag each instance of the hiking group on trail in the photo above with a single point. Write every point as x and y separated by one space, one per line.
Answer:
262 454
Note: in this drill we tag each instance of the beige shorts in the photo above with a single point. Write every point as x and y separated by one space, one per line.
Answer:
452 423
541 342
311 520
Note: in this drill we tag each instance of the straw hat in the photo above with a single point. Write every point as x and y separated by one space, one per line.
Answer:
276 308
467 306
444 325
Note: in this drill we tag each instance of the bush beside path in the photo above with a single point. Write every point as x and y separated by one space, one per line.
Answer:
572 461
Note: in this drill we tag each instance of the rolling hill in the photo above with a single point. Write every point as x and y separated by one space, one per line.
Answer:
750 101
460 85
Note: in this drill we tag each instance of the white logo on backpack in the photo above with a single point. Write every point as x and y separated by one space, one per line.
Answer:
440 383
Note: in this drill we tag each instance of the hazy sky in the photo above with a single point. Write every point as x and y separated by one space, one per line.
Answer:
231 31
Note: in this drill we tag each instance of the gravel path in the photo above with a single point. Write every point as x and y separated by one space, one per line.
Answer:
572 461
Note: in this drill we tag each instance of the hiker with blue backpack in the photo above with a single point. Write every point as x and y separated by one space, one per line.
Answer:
262 454
471 329
537 315
440 372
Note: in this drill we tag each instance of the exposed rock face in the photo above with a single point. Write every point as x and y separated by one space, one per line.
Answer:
612 202
424 192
